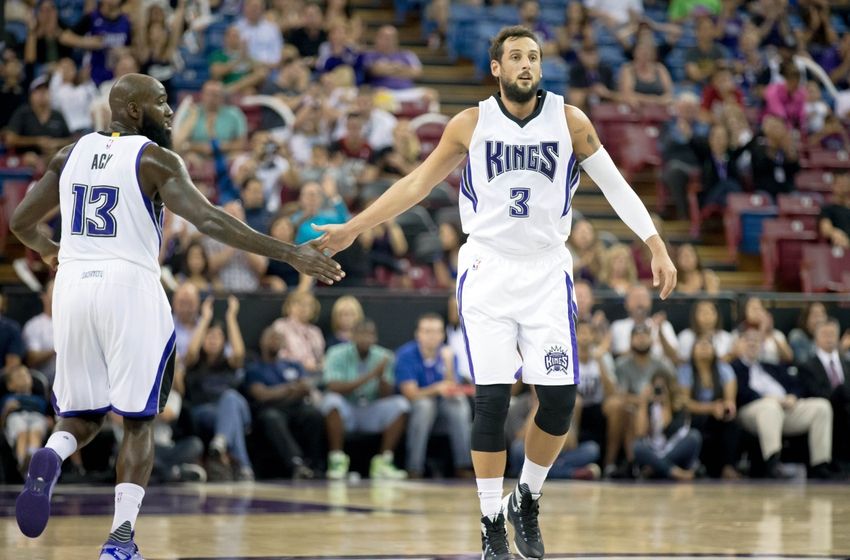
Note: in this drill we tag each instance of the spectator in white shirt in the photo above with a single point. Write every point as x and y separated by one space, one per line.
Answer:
827 376
775 349
262 37
72 93
38 337
769 407
705 321
639 306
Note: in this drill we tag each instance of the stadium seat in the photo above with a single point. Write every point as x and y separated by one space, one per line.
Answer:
814 180
414 222
799 205
825 269
413 108
429 129
829 159
782 243
750 210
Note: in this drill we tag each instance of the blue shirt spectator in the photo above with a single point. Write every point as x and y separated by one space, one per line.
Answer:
312 210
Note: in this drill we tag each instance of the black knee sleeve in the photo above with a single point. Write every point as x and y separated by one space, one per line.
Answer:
491 411
556 408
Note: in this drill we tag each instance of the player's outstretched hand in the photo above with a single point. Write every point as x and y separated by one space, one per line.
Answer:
663 273
335 238
309 259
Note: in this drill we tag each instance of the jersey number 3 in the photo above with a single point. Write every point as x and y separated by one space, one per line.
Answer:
520 206
98 201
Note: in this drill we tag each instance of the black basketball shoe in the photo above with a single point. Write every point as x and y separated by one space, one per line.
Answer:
522 509
494 539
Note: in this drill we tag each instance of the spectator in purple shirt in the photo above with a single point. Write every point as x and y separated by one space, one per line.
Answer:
387 66
100 31
787 100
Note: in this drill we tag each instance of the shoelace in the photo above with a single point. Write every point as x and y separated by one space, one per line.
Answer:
497 538
528 512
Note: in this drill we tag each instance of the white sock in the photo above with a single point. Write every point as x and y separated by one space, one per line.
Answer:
534 475
490 495
63 443
128 501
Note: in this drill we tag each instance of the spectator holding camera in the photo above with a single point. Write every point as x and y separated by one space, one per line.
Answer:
668 446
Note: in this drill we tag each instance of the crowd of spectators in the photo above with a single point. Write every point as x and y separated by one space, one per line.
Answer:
330 133
652 402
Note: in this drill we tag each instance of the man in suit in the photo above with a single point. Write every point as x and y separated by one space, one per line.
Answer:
769 407
827 376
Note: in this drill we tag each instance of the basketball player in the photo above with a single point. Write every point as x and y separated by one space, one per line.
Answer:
523 148
112 321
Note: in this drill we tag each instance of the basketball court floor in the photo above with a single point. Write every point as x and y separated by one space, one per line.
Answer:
429 520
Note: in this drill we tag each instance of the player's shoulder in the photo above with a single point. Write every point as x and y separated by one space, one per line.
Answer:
161 159
467 117
57 162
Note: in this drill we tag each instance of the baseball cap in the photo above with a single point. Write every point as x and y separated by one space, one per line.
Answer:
41 81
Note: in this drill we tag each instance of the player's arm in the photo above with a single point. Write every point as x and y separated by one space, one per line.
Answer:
165 170
411 189
599 166
38 202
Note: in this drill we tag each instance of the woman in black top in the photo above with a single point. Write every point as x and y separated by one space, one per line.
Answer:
216 406
710 389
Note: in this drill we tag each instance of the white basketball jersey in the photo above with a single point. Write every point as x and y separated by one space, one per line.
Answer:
519 178
105 213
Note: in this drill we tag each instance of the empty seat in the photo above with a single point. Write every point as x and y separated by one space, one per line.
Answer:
429 129
782 243
829 159
825 269
794 205
814 180
749 208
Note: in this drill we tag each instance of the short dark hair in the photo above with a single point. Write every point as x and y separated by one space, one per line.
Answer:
430 316
497 45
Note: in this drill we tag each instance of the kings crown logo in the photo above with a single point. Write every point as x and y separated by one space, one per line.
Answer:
556 359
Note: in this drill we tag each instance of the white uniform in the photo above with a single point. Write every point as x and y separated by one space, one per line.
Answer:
113 329
515 291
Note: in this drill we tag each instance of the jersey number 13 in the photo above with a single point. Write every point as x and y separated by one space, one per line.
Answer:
93 208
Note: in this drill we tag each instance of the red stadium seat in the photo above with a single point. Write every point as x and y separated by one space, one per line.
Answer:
607 117
412 109
825 269
655 114
829 159
429 129
814 180
782 243
799 205
253 116
738 204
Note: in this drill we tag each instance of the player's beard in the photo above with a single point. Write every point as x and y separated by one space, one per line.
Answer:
516 94
155 131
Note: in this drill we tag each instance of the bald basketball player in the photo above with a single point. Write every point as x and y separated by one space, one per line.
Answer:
113 327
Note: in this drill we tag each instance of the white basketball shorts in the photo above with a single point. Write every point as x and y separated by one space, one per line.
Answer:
518 316
114 338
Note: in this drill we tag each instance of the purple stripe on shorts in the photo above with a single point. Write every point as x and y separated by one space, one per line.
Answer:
152 405
73 413
463 323
571 313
